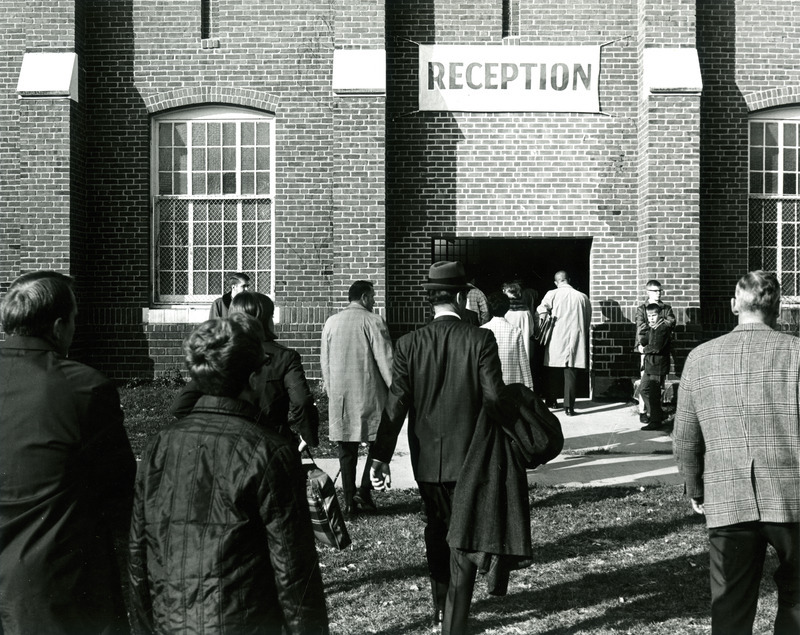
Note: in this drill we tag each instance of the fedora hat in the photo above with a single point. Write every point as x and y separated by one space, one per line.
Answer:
446 276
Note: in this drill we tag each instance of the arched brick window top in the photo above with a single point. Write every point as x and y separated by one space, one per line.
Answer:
773 98
210 95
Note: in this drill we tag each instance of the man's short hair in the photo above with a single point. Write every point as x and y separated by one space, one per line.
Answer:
358 289
498 304
258 305
237 278
438 297
759 292
223 352
653 283
561 276
34 301
653 307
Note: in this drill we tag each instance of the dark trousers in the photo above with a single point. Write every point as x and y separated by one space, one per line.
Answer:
566 378
447 567
737 562
348 462
650 390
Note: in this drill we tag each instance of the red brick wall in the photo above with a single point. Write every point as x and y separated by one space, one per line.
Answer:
142 58
658 184
749 62
549 175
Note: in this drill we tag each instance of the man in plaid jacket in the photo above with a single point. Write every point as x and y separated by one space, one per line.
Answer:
737 443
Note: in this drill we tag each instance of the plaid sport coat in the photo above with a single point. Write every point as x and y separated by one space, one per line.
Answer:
737 427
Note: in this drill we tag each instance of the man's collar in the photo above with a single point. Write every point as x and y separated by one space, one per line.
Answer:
443 313
28 342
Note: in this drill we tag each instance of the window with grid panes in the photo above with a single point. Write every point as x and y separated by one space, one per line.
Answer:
213 202
774 204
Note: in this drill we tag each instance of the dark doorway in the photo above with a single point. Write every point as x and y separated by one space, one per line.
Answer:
493 261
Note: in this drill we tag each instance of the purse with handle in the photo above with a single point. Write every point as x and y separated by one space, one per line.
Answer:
326 515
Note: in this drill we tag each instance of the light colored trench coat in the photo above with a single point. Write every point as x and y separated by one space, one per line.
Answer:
356 358
569 344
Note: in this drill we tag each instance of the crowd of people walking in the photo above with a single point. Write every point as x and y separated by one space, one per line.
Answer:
220 536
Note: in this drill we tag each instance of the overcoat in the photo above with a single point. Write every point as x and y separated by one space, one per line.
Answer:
66 483
356 359
737 426
569 344
491 515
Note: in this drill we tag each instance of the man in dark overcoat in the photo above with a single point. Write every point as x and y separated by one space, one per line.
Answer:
443 374
65 467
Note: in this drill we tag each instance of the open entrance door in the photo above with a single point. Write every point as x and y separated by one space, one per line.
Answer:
493 261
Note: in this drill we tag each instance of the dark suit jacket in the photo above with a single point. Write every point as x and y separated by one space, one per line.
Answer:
656 343
66 464
442 375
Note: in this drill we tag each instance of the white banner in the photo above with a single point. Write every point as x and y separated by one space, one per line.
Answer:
509 78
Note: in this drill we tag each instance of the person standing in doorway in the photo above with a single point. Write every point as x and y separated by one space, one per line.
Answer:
356 359
568 349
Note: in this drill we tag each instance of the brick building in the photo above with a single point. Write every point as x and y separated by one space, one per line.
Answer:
150 147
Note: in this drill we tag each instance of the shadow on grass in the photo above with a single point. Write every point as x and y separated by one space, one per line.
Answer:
673 588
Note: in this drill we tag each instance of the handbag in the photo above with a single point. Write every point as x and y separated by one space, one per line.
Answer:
546 329
326 515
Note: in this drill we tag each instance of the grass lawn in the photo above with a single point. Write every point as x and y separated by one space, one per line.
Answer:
606 559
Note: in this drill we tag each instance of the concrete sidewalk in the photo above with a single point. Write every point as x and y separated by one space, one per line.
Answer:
603 445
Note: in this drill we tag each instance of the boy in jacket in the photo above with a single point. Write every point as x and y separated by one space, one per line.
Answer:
654 344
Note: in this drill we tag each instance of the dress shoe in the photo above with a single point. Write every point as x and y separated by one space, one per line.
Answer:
364 500
569 411
653 425
643 418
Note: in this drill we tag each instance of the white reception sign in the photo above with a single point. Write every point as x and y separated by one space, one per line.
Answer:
509 78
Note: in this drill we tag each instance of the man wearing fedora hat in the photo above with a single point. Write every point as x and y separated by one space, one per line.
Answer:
443 373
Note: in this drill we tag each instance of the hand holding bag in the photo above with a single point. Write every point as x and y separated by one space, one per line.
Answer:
326 515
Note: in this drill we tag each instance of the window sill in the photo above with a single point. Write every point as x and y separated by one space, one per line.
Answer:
196 314
176 315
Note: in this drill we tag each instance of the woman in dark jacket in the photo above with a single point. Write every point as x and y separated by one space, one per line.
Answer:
287 400
221 539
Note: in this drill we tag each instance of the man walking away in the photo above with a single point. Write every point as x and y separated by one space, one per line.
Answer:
444 373
737 443
356 359
569 344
